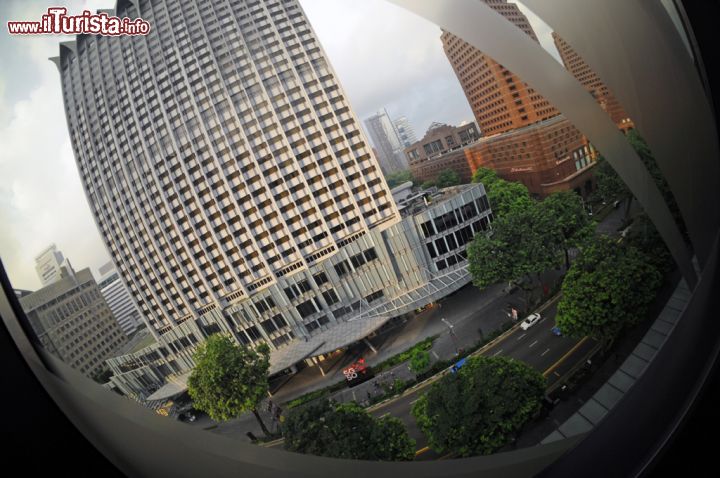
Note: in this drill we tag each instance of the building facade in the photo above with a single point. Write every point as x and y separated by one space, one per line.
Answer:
592 82
546 157
233 187
442 148
51 266
118 299
405 131
387 141
499 99
73 322
524 137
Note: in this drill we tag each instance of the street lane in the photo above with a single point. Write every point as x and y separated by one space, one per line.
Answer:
536 346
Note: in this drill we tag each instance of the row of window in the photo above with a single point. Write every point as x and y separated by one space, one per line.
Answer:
455 217
357 261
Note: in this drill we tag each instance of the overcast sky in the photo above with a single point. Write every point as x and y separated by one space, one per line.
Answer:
384 56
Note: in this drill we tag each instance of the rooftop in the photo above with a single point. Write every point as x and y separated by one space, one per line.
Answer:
422 200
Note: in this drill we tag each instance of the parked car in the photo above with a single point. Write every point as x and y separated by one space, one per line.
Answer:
530 321
556 331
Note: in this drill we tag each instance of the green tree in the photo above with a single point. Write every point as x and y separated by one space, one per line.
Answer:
228 380
645 237
643 150
566 214
609 184
346 431
398 178
505 197
608 287
428 185
480 408
521 245
419 360
447 178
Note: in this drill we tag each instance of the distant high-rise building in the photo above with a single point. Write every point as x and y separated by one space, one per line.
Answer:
405 131
118 299
592 82
499 99
73 322
524 137
236 193
384 135
51 266
442 148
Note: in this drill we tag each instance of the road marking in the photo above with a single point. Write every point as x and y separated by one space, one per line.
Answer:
437 357
564 357
532 344
557 374
523 335
543 354
498 352
422 450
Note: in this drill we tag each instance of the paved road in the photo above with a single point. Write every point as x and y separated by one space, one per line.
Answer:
536 346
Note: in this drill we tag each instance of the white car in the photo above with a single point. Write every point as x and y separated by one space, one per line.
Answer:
530 321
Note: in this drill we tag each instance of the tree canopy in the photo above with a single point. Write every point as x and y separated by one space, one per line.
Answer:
447 178
520 244
229 380
505 197
481 407
608 287
398 178
346 431
609 184
419 360
566 215
644 236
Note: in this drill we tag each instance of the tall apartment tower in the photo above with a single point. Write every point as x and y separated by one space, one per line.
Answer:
499 99
51 266
405 131
235 191
118 299
592 82
385 137
73 322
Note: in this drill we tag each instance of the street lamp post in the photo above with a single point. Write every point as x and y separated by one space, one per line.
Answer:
452 334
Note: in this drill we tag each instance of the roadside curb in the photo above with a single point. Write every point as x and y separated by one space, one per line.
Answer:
272 443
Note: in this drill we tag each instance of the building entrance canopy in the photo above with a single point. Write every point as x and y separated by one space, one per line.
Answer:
366 322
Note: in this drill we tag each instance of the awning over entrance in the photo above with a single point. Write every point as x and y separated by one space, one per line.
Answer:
174 386
368 321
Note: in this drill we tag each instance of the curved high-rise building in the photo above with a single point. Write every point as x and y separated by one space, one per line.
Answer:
230 180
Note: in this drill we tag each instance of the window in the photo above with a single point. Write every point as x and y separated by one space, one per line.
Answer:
330 297
341 268
450 238
307 308
374 296
268 326
431 250
441 246
320 278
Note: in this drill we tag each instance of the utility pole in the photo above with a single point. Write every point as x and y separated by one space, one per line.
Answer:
452 334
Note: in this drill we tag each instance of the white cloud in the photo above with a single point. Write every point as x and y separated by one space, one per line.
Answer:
41 198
